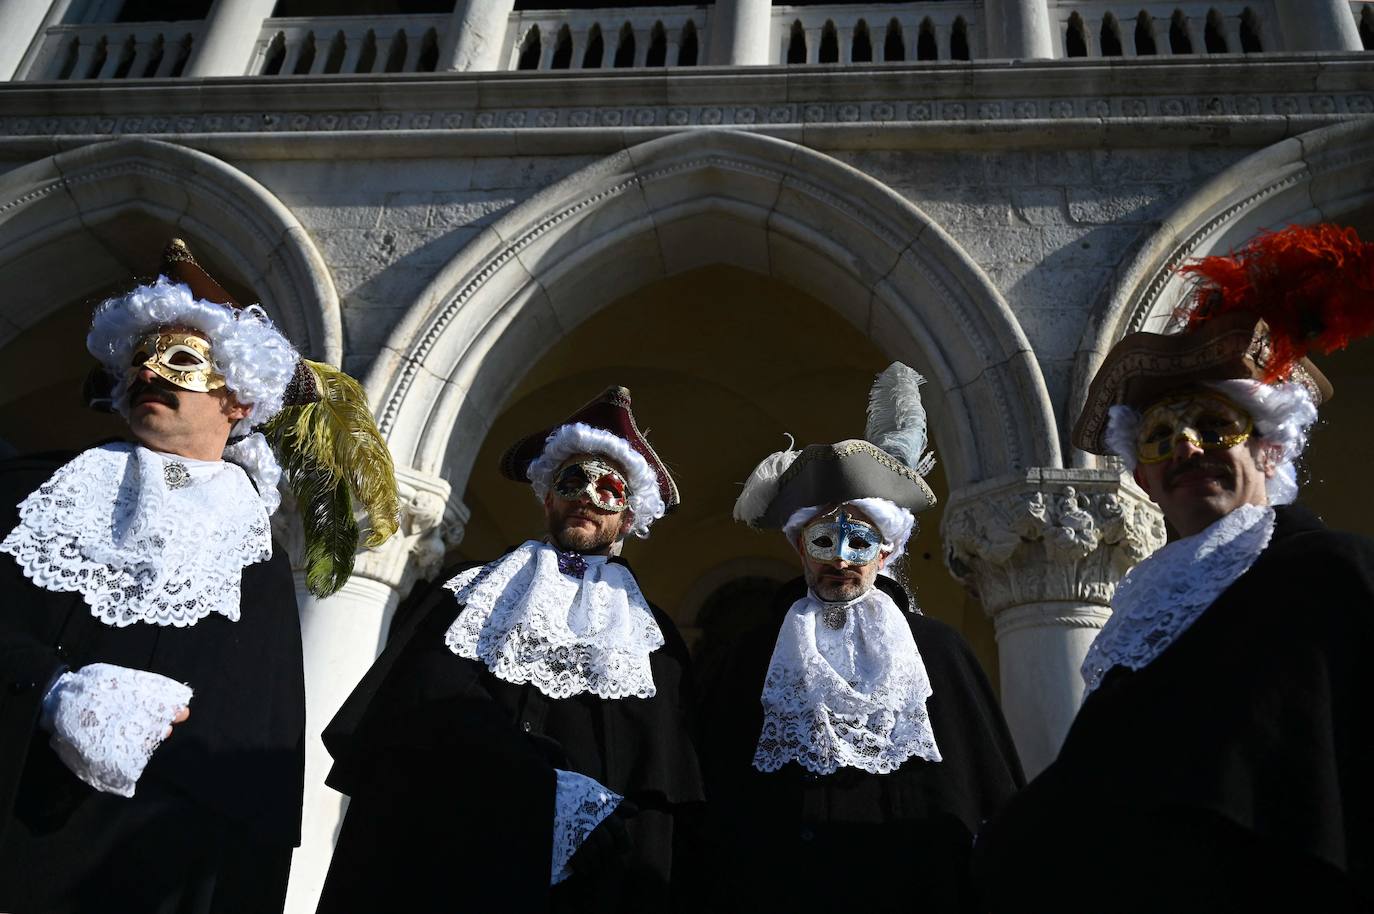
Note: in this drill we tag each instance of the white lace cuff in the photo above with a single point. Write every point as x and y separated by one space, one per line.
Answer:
106 721
580 804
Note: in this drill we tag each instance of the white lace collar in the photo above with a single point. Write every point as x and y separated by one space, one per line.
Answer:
1161 597
143 537
848 696
588 629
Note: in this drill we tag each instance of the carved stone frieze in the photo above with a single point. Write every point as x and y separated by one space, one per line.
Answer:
1049 541
431 522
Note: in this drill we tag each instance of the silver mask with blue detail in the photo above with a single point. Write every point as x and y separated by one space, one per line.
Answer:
838 536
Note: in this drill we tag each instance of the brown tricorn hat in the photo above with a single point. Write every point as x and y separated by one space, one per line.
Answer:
179 265
1145 367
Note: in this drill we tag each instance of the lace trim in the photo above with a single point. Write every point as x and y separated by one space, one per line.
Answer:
1161 597
848 695
531 623
107 720
140 544
580 804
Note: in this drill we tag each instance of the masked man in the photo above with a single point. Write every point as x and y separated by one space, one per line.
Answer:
853 745
521 743
152 718
1221 759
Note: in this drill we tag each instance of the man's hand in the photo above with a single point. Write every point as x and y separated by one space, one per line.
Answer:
181 715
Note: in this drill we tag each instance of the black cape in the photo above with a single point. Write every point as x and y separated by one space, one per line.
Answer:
215 814
794 841
1234 772
450 772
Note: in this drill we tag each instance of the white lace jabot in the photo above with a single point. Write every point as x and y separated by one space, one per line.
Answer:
853 696
590 630
1161 597
143 537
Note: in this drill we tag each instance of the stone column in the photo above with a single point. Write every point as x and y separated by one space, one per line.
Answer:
342 635
1043 552
1318 25
228 37
1019 28
20 23
740 32
476 34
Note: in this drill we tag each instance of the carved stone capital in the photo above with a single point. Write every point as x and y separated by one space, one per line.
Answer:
1049 546
432 521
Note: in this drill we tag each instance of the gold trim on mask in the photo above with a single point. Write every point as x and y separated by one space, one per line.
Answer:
1209 421
178 357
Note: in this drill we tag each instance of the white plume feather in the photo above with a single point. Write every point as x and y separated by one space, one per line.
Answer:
762 485
897 418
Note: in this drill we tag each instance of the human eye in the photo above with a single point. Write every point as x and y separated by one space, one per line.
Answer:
1160 431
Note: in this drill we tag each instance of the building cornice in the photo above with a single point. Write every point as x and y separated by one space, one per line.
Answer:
1237 99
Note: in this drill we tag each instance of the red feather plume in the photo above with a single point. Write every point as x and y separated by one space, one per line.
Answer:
1313 285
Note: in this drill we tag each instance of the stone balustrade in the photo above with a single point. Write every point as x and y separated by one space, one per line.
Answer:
348 44
656 36
847 34
1364 21
133 50
647 36
1110 28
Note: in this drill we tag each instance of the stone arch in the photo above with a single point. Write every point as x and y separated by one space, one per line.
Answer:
692 199
63 201
1324 175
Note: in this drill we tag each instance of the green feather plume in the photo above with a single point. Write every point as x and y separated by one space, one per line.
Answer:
333 458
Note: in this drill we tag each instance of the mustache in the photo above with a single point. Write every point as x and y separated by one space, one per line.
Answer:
159 391
1197 464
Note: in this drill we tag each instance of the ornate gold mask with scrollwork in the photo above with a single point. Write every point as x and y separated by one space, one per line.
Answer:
178 357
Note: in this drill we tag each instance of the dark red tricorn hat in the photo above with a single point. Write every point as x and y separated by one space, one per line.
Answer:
609 412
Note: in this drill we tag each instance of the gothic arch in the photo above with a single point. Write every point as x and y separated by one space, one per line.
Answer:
65 199
1326 174
697 198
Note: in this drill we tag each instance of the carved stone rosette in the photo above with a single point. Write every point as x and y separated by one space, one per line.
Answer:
431 522
1050 541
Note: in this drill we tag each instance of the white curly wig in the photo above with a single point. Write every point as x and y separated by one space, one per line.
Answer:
255 358
1283 416
646 502
894 522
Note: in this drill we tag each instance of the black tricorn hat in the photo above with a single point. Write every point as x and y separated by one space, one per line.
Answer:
825 474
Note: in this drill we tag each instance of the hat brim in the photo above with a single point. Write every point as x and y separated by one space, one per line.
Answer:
825 474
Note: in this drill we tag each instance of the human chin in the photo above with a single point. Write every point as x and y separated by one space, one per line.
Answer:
837 590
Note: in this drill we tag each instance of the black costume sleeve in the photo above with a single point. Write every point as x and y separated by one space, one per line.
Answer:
452 806
28 659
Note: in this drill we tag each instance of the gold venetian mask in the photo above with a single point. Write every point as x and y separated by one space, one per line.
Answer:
178 357
1209 421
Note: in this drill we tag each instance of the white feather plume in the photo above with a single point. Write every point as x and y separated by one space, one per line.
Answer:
762 485
897 418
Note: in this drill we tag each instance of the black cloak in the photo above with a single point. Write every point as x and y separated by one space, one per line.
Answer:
791 840
450 772
217 811
1231 773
